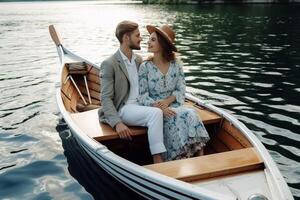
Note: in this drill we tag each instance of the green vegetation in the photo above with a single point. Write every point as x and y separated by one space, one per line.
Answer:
213 1
165 1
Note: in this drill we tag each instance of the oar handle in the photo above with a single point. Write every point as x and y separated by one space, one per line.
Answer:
54 35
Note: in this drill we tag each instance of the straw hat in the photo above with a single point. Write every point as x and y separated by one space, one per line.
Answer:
166 32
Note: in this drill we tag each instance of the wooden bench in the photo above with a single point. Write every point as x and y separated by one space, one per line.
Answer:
88 122
210 166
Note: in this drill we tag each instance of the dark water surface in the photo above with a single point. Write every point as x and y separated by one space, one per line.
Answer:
245 59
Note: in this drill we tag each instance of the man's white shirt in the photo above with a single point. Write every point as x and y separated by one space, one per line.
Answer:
133 78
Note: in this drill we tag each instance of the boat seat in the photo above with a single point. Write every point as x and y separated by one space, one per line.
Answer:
210 166
88 122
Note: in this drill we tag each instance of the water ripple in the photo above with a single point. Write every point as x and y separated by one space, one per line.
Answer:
8 166
17 151
247 63
26 119
24 106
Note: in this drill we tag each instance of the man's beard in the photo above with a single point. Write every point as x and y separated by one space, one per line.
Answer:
134 47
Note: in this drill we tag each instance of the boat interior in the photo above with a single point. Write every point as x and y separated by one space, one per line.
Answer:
228 151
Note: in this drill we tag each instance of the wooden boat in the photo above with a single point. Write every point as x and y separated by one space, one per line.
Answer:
235 164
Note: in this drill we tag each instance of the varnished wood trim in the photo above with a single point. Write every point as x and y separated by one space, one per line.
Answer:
64 75
205 115
209 166
70 94
63 93
66 87
95 95
94 101
217 145
92 86
234 132
229 140
94 71
111 134
93 78
66 101
74 100
70 90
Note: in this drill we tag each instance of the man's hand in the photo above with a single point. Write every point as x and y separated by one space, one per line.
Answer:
168 112
123 131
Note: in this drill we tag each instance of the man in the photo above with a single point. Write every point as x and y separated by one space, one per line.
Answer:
120 89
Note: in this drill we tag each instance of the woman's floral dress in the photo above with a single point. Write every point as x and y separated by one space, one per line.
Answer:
184 133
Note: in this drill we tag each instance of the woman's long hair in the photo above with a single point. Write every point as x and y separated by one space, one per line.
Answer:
167 52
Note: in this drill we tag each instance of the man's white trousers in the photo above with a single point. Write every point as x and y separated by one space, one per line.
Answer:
151 117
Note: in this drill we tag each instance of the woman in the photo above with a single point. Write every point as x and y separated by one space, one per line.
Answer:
162 85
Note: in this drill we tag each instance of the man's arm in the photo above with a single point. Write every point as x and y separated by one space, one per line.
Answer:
108 107
107 94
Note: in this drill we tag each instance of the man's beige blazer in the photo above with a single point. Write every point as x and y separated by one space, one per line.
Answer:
115 88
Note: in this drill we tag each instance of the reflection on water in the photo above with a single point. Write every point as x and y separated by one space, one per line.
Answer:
95 180
244 59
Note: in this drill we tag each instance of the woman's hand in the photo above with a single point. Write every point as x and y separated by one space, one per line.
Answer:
168 112
162 104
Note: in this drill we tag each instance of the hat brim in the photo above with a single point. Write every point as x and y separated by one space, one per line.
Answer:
152 29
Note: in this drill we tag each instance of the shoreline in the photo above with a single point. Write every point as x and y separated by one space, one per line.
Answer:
170 2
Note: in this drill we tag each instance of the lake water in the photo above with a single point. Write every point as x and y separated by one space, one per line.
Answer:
245 59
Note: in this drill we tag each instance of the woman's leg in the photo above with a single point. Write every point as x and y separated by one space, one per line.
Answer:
191 132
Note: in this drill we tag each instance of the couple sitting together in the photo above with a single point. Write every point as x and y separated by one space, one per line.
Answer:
150 93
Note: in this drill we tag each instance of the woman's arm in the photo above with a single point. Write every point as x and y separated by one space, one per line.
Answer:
178 95
164 103
144 98
179 91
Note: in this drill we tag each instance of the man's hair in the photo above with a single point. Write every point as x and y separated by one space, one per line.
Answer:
125 27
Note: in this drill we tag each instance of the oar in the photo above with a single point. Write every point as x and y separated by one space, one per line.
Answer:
54 35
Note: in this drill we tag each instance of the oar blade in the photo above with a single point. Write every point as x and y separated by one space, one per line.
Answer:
54 35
